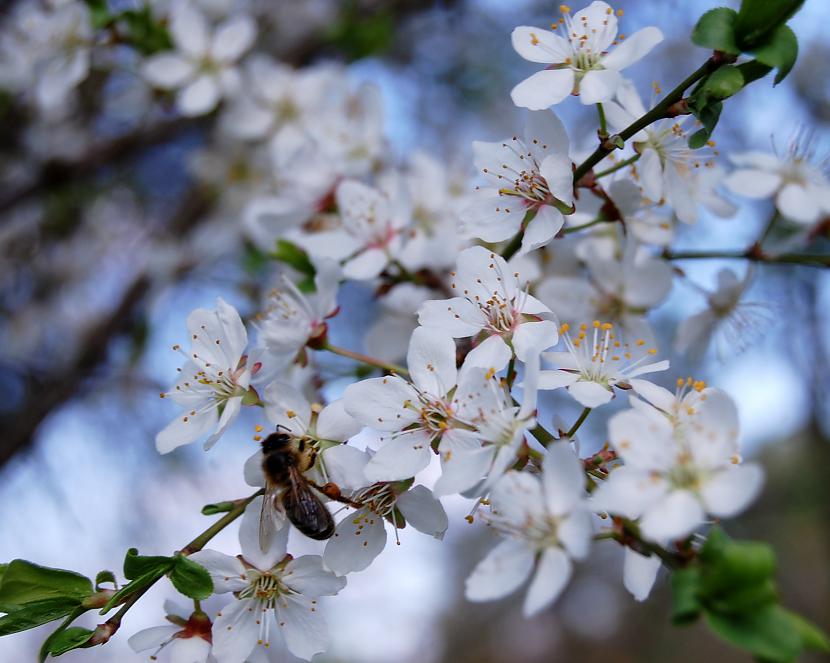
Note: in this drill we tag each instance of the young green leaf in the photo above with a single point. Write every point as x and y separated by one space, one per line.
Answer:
294 256
24 582
135 585
781 52
191 579
685 589
716 30
758 19
104 576
36 613
65 640
136 565
768 633
723 83
812 637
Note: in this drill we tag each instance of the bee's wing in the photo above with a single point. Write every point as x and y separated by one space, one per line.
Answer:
304 509
270 518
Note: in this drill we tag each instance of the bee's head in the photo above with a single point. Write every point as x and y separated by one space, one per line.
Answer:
276 442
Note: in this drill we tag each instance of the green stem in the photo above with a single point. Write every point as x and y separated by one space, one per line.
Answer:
366 359
106 630
657 113
514 245
576 229
616 167
753 255
603 124
541 434
582 417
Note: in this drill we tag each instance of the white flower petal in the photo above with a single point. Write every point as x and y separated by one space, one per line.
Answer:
633 48
651 174
199 97
675 516
188 650
431 361
501 572
381 402
590 394
796 203
307 576
423 511
556 379
227 572
732 490
189 29
232 38
540 45
184 429
552 574
541 229
492 352
599 85
628 492
334 423
400 458
249 539
563 479
167 70
752 183
359 538
558 173
302 626
457 316
235 630
530 338
152 638
464 461
543 89
345 466
639 573
365 265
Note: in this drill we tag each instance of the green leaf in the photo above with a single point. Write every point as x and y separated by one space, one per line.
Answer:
741 600
191 579
24 582
219 507
768 633
139 583
36 613
723 83
136 565
65 640
812 637
685 589
739 565
758 19
145 33
698 139
99 13
294 256
716 30
104 576
781 52
753 70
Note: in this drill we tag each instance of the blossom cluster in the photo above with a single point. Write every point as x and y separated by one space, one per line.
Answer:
495 291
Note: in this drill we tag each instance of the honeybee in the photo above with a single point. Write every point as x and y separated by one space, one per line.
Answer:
285 458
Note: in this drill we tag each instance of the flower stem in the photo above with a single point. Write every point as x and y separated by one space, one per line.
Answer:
576 229
616 167
657 113
582 417
366 359
603 124
754 254
106 630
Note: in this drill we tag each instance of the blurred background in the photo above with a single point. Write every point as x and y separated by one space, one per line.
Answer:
94 204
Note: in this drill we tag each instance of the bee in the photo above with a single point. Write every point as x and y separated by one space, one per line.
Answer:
285 458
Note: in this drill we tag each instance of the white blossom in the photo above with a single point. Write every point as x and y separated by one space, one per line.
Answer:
681 461
579 61
545 523
596 361
274 595
214 380
533 174
202 68
494 308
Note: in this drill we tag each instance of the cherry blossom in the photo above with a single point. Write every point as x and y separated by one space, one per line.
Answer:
186 640
681 462
202 68
545 524
213 382
274 595
579 62
494 308
596 361
533 174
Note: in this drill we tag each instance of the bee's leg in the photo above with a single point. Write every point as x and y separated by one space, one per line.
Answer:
333 492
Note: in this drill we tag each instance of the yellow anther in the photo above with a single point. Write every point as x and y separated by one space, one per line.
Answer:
620 12
606 326
680 382
564 9
640 342
564 327
258 428
652 351
596 324
534 40
700 385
